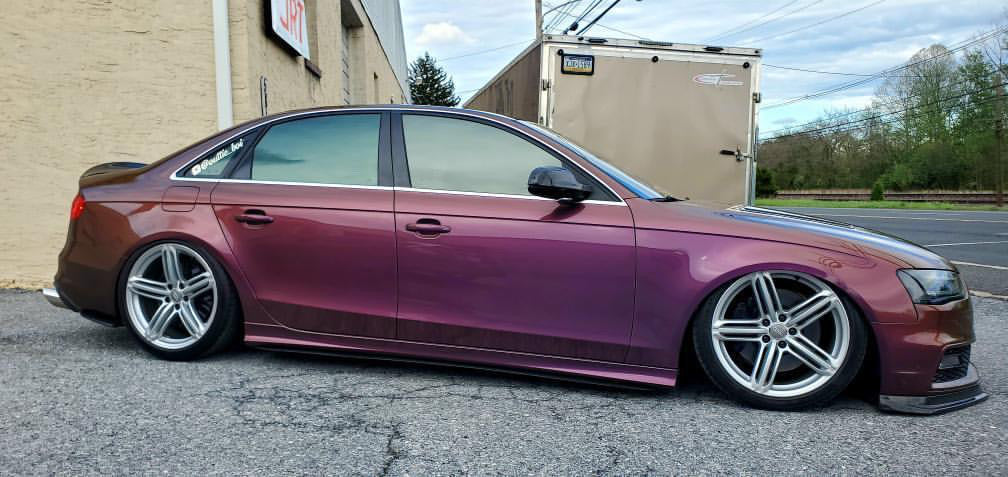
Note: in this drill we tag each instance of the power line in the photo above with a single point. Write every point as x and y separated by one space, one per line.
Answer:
891 113
885 72
564 10
792 12
489 50
732 29
806 27
598 17
617 30
813 71
585 13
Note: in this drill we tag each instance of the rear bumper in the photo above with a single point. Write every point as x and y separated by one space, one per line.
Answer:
53 297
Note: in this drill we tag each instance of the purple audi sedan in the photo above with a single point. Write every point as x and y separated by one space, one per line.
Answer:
461 236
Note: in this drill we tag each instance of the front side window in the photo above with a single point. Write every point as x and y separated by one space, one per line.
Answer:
459 155
213 165
338 149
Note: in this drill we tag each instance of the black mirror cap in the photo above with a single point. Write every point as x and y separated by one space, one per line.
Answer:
557 183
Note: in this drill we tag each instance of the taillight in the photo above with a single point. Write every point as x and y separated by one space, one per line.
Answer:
77 207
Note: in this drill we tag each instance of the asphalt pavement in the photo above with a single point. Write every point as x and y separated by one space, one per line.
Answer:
81 399
976 241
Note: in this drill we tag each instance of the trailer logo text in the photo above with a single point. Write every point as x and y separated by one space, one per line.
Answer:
716 79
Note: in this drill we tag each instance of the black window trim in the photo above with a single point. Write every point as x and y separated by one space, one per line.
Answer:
242 171
401 162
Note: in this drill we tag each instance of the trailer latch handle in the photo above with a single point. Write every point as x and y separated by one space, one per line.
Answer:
737 153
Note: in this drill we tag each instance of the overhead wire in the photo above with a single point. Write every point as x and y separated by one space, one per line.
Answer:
785 15
831 19
732 29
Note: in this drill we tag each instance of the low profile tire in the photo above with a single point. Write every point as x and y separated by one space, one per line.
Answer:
178 301
779 340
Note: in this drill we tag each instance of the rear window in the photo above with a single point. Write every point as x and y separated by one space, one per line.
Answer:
341 149
216 162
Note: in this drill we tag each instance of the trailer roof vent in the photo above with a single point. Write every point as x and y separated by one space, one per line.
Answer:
713 48
655 43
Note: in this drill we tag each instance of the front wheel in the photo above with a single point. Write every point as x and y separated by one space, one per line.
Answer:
178 301
779 340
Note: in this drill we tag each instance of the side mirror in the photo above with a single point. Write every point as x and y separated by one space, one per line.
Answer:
557 183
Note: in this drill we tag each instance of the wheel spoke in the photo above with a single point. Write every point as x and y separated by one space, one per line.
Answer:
766 295
191 320
811 354
159 322
765 369
738 330
172 267
810 310
199 284
148 288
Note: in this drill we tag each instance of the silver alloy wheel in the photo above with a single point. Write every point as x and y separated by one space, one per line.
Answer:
780 349
171 296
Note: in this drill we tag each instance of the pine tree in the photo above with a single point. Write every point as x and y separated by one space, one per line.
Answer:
429 84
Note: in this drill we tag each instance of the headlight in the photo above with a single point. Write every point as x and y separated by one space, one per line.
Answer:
932 287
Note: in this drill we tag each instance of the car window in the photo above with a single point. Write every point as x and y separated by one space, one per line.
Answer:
459 155
214 163
337 149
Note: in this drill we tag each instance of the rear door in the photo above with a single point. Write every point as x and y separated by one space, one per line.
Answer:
309 216
666 120
482 263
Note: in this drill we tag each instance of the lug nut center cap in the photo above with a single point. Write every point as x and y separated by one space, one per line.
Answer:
778 331
176 295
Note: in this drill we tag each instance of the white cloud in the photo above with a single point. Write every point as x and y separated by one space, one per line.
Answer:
442 33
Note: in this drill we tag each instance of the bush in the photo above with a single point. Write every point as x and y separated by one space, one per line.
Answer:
766 186
878 191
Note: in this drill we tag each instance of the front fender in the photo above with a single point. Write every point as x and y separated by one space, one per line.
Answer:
677 271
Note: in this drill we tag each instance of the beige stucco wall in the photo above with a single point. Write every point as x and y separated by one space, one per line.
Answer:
84 83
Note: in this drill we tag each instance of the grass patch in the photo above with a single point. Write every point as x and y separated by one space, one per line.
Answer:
880 204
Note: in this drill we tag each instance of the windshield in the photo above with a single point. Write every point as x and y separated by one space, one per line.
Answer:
633 184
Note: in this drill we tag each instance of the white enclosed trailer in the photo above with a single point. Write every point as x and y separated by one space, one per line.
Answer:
683 117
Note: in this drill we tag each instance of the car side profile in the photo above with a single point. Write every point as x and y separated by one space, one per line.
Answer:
468 237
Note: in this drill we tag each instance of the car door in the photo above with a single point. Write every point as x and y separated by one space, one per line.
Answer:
308 215
482 263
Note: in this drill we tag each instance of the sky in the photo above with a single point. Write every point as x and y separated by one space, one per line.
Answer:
849 36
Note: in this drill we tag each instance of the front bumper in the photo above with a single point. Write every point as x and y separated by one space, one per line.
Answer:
967 393
913 376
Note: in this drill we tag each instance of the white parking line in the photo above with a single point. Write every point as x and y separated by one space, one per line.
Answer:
983 294
970 264
963 243
913 218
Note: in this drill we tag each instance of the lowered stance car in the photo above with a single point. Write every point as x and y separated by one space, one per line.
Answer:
461 236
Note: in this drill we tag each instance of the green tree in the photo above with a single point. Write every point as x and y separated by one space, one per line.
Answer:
429 84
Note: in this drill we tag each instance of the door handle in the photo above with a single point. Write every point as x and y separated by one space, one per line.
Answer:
428 227
254 217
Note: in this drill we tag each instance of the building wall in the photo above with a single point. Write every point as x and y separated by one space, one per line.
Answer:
90 82
84 83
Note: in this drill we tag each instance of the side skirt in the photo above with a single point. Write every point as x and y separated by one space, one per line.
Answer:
284 339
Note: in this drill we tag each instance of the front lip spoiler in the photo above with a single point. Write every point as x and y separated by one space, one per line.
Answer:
935 403
53 297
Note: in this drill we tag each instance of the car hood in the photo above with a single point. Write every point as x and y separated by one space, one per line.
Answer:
776 225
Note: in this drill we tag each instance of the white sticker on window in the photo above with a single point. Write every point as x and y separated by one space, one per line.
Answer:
205 164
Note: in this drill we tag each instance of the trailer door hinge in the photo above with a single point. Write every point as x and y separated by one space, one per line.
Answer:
545 84
757 97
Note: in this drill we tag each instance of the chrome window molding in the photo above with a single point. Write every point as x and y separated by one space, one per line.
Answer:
492 117
404 189
503 196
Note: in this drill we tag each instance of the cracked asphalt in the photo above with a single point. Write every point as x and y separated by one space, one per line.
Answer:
80 399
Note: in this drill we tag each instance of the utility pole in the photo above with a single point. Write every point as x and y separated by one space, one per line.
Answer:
539 19
999 133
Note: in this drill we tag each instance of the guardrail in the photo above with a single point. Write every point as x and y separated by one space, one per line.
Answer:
954 196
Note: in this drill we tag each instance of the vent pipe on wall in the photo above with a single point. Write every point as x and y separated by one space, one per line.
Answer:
222 63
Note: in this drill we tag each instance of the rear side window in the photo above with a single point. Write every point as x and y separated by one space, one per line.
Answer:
216 162
338 149
458 155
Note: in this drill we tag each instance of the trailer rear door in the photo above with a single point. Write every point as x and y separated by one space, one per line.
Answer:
664 121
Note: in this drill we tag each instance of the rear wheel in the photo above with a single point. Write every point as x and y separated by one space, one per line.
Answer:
179 302
779 340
